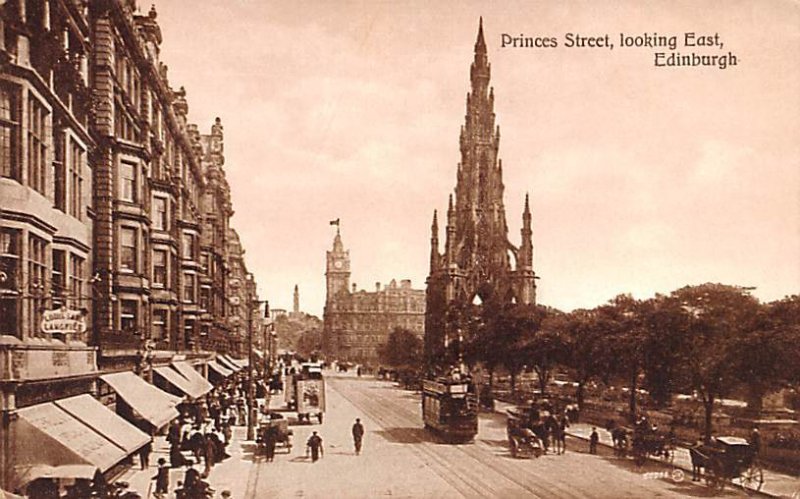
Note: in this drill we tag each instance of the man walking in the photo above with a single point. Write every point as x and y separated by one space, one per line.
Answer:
358 435
162 478
593 439
270 440
314 444
144 455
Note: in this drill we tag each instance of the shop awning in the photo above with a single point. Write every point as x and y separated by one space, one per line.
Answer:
104 421
219 369
228 364
239 362
178 381
49 435
64 471
233 362
153 404
194 377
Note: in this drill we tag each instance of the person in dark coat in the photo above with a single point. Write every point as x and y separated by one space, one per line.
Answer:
593 439
314 444
755 440
563 424
162 477
197 444
174 433
176 458
270 441
144 455
358 435
191 478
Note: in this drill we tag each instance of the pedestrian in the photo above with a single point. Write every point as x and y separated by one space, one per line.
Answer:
191 478
314 444
593 439
174 433
227 433
563 424
176 458
144 454
162 478
755 440
697 465
270 440
197 443
358 435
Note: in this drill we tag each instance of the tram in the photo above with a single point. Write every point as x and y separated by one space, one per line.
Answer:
450 408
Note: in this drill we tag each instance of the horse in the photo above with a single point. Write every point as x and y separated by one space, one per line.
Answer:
619 436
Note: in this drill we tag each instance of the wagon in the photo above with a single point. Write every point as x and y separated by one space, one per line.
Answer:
650 443
522 441
727 459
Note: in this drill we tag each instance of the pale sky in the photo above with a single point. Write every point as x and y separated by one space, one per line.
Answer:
642 179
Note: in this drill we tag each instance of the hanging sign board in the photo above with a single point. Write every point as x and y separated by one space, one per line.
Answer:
63 321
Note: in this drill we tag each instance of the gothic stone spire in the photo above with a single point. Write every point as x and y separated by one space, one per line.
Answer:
477 258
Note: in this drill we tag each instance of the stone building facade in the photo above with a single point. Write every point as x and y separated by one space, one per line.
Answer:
46 214
114 210
357 323
241 292
476 266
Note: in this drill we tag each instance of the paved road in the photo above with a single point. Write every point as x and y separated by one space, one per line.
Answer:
400 459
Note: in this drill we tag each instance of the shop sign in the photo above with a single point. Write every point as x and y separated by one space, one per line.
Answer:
63 321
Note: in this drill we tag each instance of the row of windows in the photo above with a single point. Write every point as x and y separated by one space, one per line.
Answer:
54 277
129 248
130 321
69 156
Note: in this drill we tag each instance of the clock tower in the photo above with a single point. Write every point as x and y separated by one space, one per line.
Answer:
337 269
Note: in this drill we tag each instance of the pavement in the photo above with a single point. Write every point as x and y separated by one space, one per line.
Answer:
775 484
229 474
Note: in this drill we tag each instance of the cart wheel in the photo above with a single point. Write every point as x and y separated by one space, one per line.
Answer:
753 477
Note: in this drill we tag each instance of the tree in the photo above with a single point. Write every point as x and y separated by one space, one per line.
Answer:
485 343
768 356
586 345
516 325
309 344
716 318
402 350
622 319
665 339
546 344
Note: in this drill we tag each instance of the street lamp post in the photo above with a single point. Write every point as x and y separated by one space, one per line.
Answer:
252 304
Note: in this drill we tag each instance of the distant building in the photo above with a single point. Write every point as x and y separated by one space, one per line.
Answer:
357 323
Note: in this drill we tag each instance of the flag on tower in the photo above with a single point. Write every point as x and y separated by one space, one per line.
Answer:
335 222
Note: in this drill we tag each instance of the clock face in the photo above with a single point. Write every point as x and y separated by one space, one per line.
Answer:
338 264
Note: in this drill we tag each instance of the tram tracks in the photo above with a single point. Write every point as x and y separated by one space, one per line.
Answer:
517 480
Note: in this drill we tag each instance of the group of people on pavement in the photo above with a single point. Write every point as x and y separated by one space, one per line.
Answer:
203 431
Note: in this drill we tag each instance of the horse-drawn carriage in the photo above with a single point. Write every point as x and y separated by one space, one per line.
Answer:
522 441
648 442
726 459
